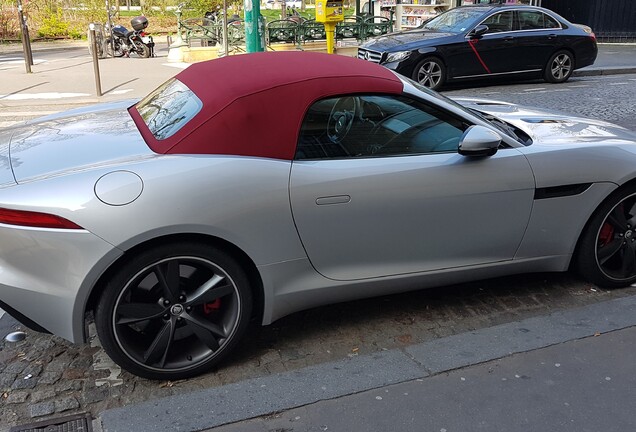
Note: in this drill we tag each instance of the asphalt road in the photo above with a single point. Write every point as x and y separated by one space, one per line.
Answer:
608 98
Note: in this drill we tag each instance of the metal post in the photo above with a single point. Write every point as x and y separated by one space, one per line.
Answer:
253 31
26 48
110 28
98 83
225 43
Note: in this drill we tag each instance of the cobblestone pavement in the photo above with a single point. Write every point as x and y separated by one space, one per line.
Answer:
46 376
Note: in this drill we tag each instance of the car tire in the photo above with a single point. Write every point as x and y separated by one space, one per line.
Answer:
174 311
607 249
560 67
430 72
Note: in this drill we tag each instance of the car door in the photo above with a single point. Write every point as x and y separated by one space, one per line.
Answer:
378 188
497 49
539 36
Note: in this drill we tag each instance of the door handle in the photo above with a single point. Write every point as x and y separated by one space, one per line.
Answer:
508 38
336 199
552 36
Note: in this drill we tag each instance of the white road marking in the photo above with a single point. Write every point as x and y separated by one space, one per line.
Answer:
578 85
491 93
26 113
618 83
15 62
119 92
6 124
177 65
52 95
534 89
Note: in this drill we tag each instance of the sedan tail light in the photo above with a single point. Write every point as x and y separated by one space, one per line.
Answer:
35 219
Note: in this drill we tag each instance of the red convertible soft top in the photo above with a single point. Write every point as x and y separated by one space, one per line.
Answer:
253 104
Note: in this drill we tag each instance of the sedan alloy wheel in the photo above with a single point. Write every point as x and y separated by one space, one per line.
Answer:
559 67
430 72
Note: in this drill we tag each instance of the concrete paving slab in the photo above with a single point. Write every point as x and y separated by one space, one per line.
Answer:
284 391
230 403
585 385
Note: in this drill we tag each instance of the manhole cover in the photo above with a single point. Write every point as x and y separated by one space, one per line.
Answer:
74 423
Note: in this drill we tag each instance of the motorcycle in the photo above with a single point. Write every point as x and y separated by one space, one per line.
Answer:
136 41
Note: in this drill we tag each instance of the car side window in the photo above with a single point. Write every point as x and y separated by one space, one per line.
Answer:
376 126
536 20
499 22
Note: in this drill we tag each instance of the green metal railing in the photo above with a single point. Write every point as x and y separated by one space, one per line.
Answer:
285 31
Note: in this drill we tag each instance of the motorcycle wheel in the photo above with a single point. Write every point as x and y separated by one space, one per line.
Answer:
141 49
119 50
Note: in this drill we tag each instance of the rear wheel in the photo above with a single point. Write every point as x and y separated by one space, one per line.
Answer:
559 67
174 311
607 251
141 49
430 72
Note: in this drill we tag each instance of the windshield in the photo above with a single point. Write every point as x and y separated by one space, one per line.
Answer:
502 126
167 109
455 20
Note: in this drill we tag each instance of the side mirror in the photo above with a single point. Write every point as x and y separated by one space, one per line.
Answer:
478 31
479 141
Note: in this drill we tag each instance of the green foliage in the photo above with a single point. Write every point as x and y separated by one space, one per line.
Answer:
9 26
53 26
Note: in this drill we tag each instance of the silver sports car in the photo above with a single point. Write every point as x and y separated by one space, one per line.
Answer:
288 181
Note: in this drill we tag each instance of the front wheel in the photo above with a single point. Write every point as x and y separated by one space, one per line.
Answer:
559 67
430 72
607 249
174 311
118 51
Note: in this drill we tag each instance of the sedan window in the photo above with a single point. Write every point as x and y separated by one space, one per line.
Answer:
500 22
536 20
455 20
372 126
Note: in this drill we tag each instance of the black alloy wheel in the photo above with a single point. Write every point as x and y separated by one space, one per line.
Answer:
430 72
607 252
559 67
174 311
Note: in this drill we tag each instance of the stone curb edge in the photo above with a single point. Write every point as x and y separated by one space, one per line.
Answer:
619 70
260 396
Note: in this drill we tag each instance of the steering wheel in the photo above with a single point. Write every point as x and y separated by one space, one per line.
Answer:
341 118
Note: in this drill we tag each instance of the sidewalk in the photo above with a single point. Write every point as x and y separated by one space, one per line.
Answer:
578 386
568 371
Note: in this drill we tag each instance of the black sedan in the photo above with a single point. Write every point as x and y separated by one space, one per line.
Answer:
471 42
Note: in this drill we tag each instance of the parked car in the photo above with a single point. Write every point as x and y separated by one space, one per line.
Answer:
485 41
178 218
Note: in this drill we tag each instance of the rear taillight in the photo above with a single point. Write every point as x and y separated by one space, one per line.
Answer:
593 36
35 219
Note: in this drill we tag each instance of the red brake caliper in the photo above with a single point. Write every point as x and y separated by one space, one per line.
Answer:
606 235
209 308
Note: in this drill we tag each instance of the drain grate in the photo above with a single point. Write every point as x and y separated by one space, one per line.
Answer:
74 423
